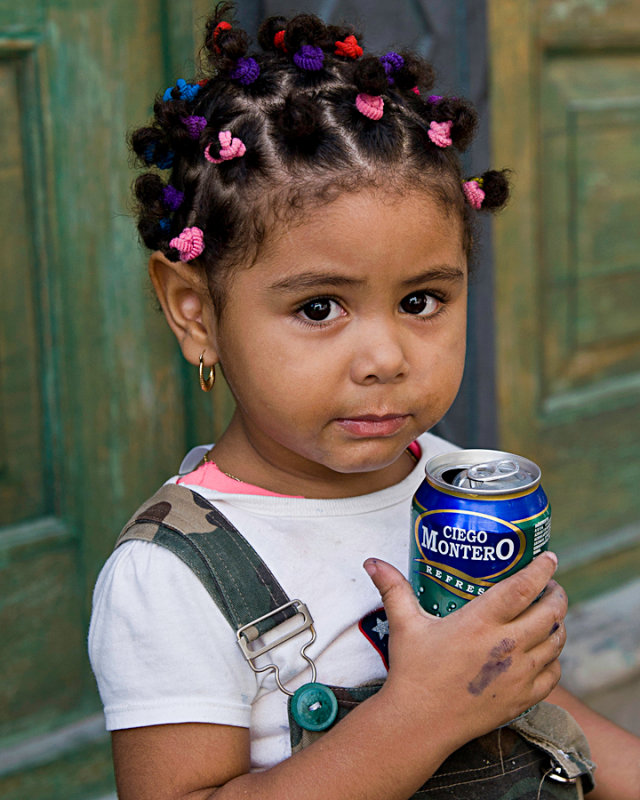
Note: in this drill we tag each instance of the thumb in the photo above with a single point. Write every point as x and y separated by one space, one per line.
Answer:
396 593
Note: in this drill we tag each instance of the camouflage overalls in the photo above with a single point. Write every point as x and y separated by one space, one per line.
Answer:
541 756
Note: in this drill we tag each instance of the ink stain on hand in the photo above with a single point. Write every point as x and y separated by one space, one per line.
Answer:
499 662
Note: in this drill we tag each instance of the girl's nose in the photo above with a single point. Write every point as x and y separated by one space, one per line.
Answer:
378 355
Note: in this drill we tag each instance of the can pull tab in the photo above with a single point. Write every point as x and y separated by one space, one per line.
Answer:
493 471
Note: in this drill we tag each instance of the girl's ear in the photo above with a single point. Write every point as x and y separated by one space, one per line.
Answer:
185 299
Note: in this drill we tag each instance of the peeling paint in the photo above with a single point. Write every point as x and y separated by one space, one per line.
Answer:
564 9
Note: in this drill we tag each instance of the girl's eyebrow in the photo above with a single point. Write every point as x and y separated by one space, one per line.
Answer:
312 280
443 272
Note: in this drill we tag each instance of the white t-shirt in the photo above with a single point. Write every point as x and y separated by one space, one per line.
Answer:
163 653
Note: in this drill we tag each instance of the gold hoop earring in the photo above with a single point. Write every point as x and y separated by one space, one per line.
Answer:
206 384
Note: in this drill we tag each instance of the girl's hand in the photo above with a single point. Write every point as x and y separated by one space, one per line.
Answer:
481 666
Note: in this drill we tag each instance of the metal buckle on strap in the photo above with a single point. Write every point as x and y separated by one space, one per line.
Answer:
249 633
556 775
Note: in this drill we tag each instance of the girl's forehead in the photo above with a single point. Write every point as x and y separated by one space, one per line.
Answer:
372 220
364 235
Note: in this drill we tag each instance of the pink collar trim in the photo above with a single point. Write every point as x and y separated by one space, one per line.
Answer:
209 476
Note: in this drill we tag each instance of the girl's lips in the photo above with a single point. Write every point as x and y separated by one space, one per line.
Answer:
371 425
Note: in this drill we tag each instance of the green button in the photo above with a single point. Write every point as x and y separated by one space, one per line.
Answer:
314 707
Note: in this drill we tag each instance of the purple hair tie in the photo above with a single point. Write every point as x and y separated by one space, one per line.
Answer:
172 198
195 125
434 98
246 71
391 62
309 57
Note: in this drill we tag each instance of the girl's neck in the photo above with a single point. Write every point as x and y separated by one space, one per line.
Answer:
239 456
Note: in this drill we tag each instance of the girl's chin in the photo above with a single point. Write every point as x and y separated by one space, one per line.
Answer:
366 464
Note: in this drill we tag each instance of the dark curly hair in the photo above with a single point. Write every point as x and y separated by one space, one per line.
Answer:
293 106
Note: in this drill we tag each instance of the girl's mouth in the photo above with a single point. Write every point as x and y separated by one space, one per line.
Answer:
371 425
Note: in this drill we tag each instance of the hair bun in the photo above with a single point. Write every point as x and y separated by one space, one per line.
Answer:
370 76
463 116
224 43
267 33
148 190
415 72
305 29
495 184
299 122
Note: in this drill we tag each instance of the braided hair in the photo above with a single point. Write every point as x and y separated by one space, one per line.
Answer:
260 138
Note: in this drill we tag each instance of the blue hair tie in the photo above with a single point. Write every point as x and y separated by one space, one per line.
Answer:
165 161
186 91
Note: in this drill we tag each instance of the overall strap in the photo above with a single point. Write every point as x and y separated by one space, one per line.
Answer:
238 580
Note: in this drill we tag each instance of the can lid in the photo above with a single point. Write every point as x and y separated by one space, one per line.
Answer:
481 472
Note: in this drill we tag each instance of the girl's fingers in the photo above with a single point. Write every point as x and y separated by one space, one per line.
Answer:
546 680
545 653
542 619
511 597
397 595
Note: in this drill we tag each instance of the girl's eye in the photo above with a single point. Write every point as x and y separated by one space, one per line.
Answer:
421 304
321 309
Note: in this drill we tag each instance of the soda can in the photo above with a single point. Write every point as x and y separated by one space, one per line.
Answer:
478 517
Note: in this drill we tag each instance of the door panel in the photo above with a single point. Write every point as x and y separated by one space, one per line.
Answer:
566 118
91 384
38 549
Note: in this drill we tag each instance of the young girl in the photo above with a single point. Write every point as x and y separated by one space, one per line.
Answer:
310 238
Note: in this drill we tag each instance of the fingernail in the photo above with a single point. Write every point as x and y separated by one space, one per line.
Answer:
370 566
553 557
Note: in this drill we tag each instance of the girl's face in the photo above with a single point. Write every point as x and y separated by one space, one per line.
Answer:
343 343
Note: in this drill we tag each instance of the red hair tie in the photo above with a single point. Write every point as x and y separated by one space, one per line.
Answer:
349 48
221 26
278 41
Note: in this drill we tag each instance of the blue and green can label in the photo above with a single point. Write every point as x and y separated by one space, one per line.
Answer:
479 516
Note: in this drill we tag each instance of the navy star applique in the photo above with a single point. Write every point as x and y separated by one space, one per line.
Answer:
375 628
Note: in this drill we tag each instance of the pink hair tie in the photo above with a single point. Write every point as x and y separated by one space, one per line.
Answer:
229 148
190 243
371 106
473 192
440 133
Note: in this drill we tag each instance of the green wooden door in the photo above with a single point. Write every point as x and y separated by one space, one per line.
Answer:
92 391
566 118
